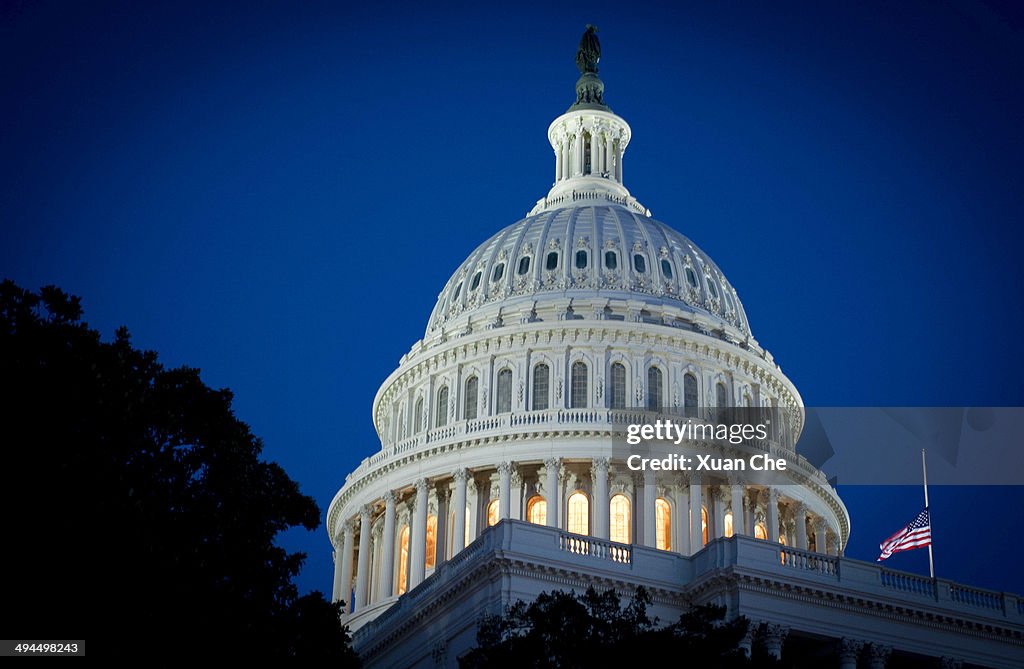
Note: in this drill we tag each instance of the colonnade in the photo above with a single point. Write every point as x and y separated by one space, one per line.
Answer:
397 539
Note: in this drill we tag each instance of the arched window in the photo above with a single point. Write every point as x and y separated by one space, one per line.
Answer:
620 519
617 388
524 265
579 385
690 394
417 419
492 513
691 278
442 407
551 263
654 388
728 524
586 153
431 555
469 407
541 382
666 269
499 271
403 560
578 513
639 263
503 403
704 525
476 282
611 260
760 532
581 259
537 510
663 524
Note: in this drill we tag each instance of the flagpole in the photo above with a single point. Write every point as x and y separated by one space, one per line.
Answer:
924 471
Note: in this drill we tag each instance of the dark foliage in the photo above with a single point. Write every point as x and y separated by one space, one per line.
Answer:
139 513
567 631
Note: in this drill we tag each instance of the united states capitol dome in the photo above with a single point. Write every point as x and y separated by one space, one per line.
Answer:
543 344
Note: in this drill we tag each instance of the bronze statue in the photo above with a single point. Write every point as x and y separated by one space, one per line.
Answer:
589 51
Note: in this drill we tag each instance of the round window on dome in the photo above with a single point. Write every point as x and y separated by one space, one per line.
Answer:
524 265
666 269
581 260
611 260
476 281
691 277
552 261
639 263
499 271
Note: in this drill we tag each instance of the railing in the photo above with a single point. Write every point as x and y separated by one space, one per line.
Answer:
597 548
985 599
896 580
817 563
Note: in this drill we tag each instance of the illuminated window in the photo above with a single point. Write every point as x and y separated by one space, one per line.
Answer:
403 559
654 386
492 513
704 525
537 510
541 376
469 407
442 407
579 513
782 539
579 385
728 524
503 404
431 542
690 394
760 532
620 519
663 524
618 386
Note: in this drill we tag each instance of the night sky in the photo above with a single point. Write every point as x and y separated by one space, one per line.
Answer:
276 193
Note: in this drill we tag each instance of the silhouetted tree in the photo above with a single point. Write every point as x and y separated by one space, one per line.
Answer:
139 513
569 631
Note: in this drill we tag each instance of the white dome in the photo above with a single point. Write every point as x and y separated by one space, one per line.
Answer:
603 256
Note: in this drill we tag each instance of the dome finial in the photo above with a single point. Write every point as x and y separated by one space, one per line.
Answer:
589 51
589 88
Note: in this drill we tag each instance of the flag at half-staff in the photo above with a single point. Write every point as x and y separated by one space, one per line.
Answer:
916 534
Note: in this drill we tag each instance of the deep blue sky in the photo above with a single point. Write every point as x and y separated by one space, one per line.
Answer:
276 192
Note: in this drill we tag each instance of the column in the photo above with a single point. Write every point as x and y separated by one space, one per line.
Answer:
696 533
774 637
551 489
577 169
594 169
441 539
650 513
738 521
681 533
504 490
387 565
517 495
363 570
849 650
878 655
618 162
603 154
566 158
558 163
418 536
718 517
773 515
348 546
459 509
602 512
801 526
819 535
751 500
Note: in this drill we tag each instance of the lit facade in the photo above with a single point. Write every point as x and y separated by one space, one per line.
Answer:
546 340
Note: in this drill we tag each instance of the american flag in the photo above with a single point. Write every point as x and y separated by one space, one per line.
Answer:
916 534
